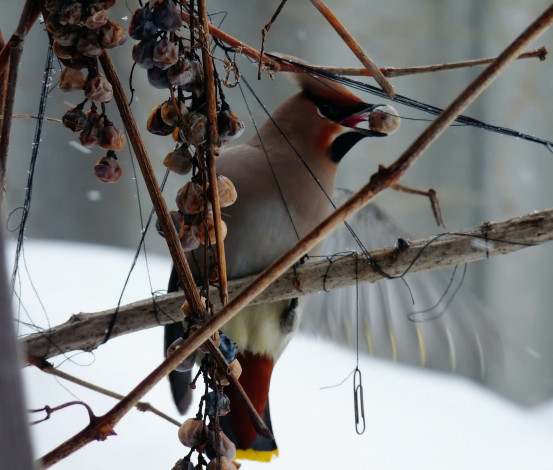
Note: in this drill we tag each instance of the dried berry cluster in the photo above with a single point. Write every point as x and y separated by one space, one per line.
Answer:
81 30
172 65
196 433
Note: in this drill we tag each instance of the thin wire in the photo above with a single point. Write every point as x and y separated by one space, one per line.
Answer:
466 120
31 173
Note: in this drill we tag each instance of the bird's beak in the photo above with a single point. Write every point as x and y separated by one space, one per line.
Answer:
373 120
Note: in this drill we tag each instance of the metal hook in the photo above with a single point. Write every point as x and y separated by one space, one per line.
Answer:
358 403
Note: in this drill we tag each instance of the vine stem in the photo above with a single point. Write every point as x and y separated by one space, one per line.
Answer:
213 151
14 49
390 72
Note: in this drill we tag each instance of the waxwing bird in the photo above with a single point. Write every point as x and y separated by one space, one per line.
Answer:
284 178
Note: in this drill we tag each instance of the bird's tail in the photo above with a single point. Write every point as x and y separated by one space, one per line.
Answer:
255 379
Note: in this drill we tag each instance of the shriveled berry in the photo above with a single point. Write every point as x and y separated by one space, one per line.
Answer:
193 130
165 54
97 88
229 124
71 80
67 35
226 464
97 17
210 224
111 137
190 198
156 125
227 191
178 222
171 114
88 44
167 16
179 161
143 53
74 119
384 119
226 446
142 26
223 404
192 433
187 73
111 35
107 170
71 13
228 348
158 78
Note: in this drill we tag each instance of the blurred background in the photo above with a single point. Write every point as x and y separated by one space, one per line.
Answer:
478 175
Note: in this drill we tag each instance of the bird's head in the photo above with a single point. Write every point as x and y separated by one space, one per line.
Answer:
344 119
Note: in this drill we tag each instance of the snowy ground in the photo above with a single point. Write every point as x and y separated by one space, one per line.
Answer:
414 419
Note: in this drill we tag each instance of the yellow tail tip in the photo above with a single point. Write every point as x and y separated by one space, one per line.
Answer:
257 455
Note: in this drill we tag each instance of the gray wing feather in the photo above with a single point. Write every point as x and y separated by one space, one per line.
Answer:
459 335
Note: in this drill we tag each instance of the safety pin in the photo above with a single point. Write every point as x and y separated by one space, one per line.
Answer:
358 403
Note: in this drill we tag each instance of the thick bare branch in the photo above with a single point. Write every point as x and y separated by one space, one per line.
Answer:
86 330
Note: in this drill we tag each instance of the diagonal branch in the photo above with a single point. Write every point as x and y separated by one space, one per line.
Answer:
355 47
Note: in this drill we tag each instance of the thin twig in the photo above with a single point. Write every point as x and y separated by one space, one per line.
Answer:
213 151
49 410
239 45
48 368
264 32
275 65
32 116
3 82
15 49
85 331
391 72
355 47
4 52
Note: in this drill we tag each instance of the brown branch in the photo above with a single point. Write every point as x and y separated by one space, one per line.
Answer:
4 52
85 331
275 65
355 47
15 49
48 368
239 45
31 116
212 152
391 72
264 32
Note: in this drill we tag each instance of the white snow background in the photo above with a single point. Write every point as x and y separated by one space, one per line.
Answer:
414 419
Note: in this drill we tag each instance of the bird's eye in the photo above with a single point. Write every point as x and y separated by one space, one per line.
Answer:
325 110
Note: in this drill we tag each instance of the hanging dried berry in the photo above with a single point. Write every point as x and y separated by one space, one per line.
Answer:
142 26
190 199
179 160
156 125
75 118
165 54
107 170
229 124
111 137
71 80
227 191
97 88
167 16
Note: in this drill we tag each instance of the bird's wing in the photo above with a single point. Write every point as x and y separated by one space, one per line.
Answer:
456 334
